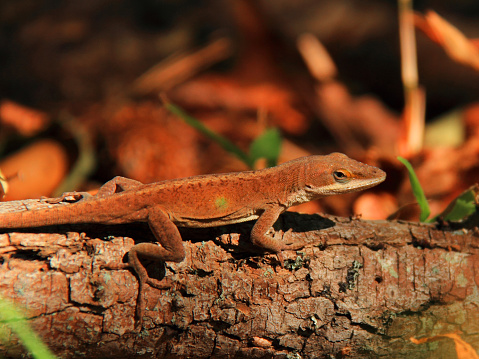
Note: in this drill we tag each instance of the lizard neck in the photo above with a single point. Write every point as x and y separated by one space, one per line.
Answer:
289 184
297 193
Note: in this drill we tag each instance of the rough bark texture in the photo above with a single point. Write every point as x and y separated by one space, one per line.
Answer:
360 289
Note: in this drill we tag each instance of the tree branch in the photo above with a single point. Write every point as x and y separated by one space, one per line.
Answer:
359 288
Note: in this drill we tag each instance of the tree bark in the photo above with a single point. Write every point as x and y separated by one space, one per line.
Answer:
358 289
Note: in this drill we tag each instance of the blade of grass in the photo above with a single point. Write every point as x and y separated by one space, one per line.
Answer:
86 161
222 141
417 190
10 316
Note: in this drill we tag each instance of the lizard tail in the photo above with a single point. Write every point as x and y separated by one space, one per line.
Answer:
61 214
36 218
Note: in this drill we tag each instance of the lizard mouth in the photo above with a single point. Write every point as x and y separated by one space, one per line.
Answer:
339 188
365 184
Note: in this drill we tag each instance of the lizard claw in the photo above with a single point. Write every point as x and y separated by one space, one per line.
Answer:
288 236
281 260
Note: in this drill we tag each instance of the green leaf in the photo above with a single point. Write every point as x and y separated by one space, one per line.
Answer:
86 161
417 190
267 146
222 141
462 207
10 316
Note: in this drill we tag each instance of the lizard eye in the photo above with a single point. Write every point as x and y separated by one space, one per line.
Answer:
342 176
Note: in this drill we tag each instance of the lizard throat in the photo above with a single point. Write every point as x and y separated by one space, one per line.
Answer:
299 197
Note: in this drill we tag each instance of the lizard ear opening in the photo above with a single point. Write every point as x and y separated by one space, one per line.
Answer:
342 176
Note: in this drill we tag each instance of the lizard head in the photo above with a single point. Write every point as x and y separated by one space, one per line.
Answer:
336 173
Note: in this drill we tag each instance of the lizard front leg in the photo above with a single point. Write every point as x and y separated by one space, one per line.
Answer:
263 224
259 232
170 248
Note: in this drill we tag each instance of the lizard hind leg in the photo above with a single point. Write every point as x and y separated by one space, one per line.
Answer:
117 184
170 248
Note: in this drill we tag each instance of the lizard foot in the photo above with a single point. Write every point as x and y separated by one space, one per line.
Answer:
143 279
289 247
68 197
294 246
289 244
165 283
140 302
281 259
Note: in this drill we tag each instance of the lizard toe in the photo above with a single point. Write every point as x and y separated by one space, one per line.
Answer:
159 284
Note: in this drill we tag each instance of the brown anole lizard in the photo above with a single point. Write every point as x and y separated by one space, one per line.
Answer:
205 201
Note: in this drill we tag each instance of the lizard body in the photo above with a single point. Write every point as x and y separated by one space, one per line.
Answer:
205 201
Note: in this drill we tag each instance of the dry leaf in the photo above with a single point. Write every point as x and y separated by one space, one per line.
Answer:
35 170
180 67
316 57
375 205
3 185
26 121
463 350
262 342
453 41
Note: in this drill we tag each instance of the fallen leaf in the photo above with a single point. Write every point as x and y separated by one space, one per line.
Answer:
3 185
26 121
262 342
35 170
375 205
463 350
454 42
320 64
446 130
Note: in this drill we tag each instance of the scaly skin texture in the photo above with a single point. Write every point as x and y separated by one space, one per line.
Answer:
205 201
